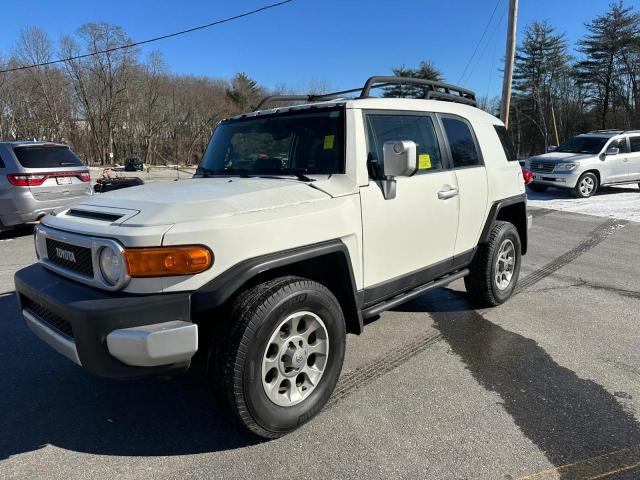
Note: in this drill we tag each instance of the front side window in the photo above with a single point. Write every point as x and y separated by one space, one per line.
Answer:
635 144
463 147
591 145
280 144
620 144
383 128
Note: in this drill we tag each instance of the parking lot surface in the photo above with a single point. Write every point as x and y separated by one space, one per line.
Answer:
546 386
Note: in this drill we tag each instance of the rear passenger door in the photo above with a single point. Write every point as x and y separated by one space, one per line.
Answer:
410 239
471 177
634 158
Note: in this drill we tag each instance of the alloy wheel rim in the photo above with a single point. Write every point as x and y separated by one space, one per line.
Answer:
505 264
586 185
295 358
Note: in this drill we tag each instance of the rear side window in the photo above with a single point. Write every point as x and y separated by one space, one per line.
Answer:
635 144
507 144
1 163
417 128
41 156
463 146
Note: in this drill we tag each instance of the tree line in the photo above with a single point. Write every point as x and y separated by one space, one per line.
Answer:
115 105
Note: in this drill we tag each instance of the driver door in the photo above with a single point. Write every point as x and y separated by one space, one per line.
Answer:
410 239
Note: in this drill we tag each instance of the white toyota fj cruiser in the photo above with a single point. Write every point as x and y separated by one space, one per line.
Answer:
300 222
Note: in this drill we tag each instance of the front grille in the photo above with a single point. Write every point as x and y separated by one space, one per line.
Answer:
71 257
544 167
58 323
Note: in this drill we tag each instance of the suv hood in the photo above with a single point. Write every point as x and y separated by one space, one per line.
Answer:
564 157
167 203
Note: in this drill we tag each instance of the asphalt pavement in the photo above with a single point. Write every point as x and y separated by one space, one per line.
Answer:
546 386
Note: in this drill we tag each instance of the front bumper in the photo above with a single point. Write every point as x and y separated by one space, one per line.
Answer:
111 334
561 180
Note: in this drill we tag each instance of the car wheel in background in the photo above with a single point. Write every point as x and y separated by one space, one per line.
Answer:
586 186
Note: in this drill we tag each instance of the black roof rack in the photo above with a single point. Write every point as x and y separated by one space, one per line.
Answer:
432 90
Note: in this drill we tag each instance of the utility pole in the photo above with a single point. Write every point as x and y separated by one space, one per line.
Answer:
508 61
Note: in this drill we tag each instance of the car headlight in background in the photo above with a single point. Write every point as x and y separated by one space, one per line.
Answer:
565 167
111 265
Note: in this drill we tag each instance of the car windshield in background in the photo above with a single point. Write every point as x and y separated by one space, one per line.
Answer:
299 142
582 145
45 156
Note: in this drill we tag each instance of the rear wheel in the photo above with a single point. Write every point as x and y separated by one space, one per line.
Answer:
281 357
495 267
537 187
586 186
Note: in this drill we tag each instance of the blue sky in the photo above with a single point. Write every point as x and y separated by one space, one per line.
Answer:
338 43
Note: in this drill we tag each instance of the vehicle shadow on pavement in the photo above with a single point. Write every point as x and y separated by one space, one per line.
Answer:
567 417
46 399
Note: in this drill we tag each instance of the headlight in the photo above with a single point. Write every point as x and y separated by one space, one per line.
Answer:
111 265
565 167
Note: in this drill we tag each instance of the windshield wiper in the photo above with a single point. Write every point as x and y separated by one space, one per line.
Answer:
207 172
299 173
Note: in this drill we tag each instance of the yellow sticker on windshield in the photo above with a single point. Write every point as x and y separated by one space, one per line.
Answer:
328 142
424 161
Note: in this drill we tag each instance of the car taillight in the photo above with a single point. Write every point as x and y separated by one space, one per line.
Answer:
26 180
85 177
527 175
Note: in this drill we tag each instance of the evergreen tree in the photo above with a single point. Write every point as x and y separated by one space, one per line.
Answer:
610 44
426 71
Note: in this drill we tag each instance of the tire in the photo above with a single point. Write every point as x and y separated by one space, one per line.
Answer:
481 283
256 355
586 186
537 187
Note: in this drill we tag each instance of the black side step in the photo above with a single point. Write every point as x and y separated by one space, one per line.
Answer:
378 308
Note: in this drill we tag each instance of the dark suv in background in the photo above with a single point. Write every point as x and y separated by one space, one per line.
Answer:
36 178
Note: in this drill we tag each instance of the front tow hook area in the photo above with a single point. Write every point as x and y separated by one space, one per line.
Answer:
154 345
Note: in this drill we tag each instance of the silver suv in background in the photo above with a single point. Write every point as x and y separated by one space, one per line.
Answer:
36 178
588 161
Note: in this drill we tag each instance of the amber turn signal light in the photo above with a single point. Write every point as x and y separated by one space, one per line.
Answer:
167 261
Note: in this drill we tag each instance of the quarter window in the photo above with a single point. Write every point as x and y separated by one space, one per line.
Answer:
463 146
507 144
417 128
635 144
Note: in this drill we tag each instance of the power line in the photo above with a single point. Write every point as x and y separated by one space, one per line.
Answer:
484 48
480 41
150 40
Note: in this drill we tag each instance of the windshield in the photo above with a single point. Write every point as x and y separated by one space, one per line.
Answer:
582 145
310 142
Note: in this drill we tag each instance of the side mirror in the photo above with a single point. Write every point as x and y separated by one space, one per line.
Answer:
612 151
400 159
551 148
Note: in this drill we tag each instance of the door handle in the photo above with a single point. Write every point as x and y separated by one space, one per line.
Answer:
445 194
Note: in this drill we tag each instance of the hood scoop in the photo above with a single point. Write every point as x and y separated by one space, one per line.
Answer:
98 214
104 216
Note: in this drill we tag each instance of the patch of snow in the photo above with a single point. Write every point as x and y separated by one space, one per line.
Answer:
621 202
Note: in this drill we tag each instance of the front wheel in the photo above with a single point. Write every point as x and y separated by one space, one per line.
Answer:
586 186
280 359
496 266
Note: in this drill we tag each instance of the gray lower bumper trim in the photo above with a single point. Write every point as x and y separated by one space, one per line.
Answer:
57 341
153 345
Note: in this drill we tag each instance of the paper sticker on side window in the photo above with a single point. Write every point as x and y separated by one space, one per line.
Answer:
328 142
424 161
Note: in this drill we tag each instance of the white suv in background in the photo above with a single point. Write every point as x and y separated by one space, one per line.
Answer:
300 223
586 162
